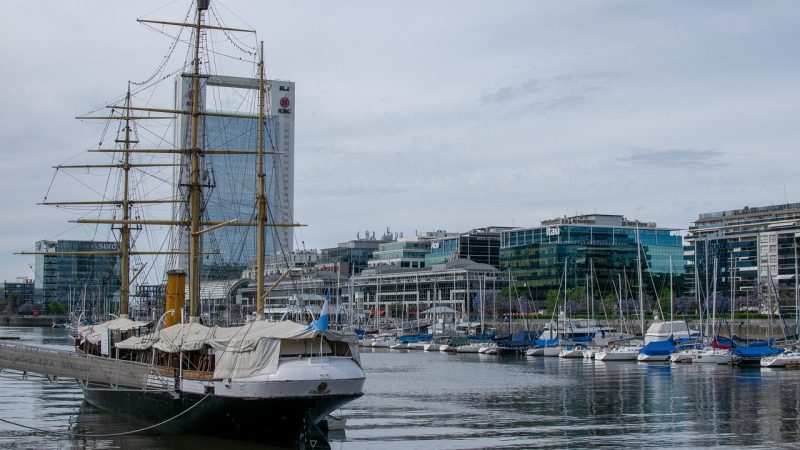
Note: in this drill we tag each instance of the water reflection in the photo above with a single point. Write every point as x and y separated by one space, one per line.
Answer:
470 401
434 400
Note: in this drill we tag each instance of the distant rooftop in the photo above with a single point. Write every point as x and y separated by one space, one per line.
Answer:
747 210
607 220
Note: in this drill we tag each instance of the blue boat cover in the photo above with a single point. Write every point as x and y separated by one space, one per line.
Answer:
524 336
410 338
756 352
659 348
546 342
481 337
751 343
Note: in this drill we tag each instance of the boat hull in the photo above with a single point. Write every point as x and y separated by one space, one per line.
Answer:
712 357
685 356
790 360
488 350
240 418
652 358
571 353
471 348
552 352
285 404
626 354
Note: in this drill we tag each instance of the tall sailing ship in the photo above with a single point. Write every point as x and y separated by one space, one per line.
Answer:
259 379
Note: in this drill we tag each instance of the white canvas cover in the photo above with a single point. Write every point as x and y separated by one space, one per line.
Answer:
255 349
246 337
666 328
248 350
263 358
92 333
183 337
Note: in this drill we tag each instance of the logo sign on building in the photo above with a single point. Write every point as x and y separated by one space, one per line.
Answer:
553 231
284 102
282 99
435 244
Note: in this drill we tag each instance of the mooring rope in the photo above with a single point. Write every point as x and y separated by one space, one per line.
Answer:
107 434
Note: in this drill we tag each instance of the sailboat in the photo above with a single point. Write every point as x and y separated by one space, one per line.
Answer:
257 380
630 351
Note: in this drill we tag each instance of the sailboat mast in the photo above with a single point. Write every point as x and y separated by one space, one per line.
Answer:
671 301
731 273
697 291
714 304
261 198
125 229
796 295
195 190
639 276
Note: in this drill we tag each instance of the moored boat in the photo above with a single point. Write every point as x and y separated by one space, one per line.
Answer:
656 351
711 356
788 359
572 351
618 353
260 380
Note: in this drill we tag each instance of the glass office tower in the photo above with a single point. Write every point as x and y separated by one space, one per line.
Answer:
603 246
230 180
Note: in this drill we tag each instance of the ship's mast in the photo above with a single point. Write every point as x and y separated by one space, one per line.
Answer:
261 197
194 153
195 191
125 228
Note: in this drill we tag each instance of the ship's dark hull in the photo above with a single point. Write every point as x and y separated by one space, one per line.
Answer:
248 419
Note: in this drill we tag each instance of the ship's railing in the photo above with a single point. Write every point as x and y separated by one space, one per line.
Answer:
112 372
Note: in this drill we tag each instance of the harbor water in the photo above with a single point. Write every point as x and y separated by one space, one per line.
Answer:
464 401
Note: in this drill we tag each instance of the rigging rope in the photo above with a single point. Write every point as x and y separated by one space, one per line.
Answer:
124 433
230 37
167 56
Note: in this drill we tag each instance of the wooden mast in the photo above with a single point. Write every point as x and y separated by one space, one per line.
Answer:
261 197
195 192
125 229
194 152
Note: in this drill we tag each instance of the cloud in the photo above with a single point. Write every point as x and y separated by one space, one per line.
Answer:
685 158
551 93
512 92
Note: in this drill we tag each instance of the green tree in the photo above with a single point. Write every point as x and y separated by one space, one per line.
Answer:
56 307
13 303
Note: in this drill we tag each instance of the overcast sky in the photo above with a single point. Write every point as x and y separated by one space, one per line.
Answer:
422 115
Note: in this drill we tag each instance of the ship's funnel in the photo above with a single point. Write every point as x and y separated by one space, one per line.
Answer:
176 293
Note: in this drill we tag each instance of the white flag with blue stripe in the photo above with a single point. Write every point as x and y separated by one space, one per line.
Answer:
321 324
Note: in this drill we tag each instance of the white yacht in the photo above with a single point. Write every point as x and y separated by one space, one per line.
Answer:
619 353
789 359
712 356
661 331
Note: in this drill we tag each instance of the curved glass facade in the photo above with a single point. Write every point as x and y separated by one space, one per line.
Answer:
536 255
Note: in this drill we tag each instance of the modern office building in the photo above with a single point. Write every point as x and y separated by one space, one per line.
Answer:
21 291
351 257
147 301
481 245
73 275
755 249
605 247
405 252
280 262
231 179
393 292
